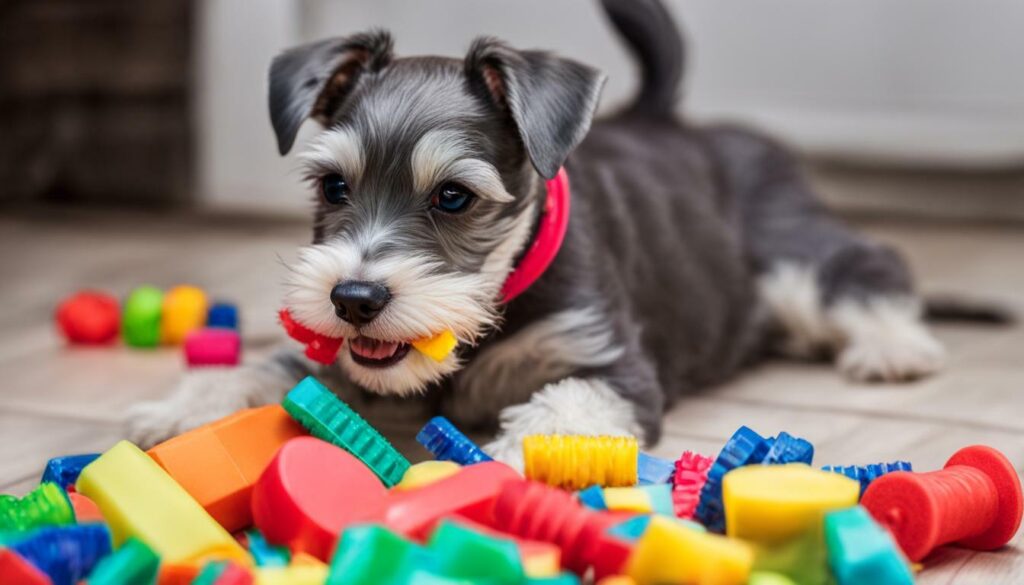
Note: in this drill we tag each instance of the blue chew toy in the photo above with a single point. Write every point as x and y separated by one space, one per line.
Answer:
789 449
64 471
865 474
222 315
447 443
67 554
745 447
654 470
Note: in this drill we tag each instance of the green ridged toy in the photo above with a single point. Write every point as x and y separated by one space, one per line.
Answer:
132 564
326 417
47 505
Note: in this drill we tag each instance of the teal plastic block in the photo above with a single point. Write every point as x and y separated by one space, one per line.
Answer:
660 496
463 553
565 578
264 553
632 529
326 417
592 497
373 555
860 551
132 564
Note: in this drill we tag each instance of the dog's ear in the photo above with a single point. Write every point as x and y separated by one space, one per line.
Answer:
550 99
312 80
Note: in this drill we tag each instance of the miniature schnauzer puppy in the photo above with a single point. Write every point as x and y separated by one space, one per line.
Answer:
689 248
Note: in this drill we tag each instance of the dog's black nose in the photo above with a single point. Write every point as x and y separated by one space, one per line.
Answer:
359 302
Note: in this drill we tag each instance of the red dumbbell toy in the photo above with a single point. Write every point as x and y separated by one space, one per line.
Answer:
535 511
974 501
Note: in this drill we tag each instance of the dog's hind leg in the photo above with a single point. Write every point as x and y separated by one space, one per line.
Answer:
588 376
829 289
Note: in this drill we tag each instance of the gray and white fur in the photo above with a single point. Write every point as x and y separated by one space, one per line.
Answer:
691 249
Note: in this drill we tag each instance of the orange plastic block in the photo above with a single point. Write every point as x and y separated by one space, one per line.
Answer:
575 461
182 574
219 463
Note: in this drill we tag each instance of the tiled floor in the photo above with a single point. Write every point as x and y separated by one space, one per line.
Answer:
56 400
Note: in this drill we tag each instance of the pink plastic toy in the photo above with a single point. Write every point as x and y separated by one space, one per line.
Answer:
213 347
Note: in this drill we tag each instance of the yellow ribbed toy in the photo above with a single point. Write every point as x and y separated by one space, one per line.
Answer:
575 461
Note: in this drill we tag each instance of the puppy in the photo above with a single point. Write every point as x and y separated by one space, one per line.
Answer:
688 250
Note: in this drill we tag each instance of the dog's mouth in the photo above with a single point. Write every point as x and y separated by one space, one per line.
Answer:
374 353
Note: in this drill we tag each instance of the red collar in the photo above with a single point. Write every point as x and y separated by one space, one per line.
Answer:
538 257
553 225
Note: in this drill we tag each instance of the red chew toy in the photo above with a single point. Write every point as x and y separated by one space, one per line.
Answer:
234 575
310 491
471 493
687 482
536 511
89 317
319 348
974 501
16 570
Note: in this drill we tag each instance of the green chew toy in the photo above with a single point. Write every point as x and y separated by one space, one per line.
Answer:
328 418
140 323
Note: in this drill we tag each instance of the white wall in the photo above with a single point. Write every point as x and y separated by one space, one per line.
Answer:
933 82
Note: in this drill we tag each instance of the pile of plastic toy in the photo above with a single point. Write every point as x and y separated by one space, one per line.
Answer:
308 493
150 317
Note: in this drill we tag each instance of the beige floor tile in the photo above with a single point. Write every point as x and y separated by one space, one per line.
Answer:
27 442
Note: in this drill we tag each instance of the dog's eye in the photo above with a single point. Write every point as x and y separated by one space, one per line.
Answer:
334 188
451 198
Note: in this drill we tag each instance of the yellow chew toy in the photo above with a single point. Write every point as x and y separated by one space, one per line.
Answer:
772 503
138 498
669 552
575 462
303 574
426 473
627 499
184 309
437 347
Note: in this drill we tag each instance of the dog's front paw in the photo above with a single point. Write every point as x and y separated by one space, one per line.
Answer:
894 358
202 396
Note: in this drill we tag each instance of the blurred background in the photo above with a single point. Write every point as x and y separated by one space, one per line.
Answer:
913 107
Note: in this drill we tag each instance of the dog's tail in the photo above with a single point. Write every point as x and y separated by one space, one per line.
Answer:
954 309
652 35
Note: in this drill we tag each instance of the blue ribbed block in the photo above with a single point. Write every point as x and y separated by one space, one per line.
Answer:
67 554
64 471
447 443
865 474
789 449
745 447
653 470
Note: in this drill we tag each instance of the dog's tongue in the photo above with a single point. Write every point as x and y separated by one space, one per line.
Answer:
372 348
